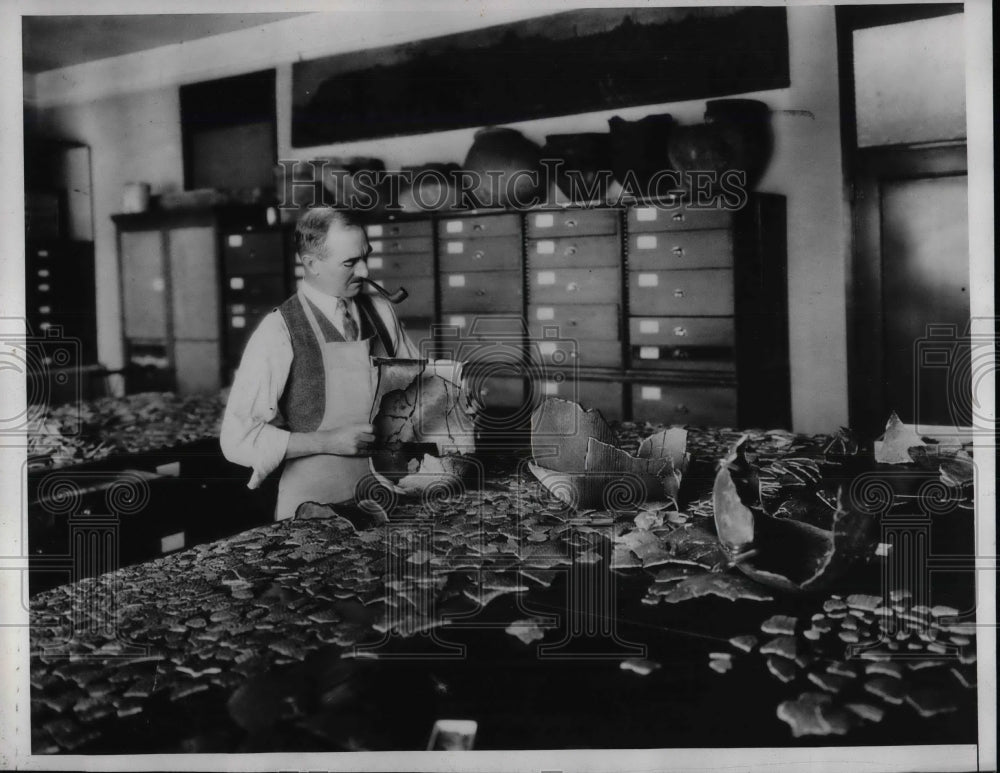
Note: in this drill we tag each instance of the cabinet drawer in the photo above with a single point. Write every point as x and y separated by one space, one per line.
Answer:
259 252
681 249
418 264
575 285
574 252
541 225
566 353
246 316
679 218
694 293
482 327
682 331
598 322
706 405
257 289
399 246
406 229
486 291
605 396
479 225
493 254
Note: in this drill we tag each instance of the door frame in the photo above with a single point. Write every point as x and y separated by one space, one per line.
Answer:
868 404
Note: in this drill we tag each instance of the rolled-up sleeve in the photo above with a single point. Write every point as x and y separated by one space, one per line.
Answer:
249 434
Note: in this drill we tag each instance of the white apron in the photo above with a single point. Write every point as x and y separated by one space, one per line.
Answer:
351 381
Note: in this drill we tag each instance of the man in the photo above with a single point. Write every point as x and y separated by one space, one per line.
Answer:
304 389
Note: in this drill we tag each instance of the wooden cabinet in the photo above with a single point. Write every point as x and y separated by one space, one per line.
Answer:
658 311
194 284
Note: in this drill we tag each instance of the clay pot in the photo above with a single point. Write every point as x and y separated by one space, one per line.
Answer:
736 135
514 156
640 149
583 157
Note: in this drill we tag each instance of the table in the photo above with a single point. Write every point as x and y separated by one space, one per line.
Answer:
308 635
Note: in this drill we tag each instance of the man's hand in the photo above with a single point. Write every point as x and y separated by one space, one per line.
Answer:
351 440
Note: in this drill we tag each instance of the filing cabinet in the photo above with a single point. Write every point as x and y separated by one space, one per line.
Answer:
479 226
605 396
594 322
575 252
546 224
485 292
484 254
574 285
673 214
681 250
60 292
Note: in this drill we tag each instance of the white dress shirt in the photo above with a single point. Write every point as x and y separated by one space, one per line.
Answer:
252 433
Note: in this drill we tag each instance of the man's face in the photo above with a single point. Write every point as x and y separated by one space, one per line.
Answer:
342 262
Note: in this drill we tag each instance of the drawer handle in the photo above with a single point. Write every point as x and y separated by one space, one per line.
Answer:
678 293
681 408
572 323
395 245
678 251
480 292
477 226
571 250
678 218
478 255
571 223
681 331
679 354
394 230
572 287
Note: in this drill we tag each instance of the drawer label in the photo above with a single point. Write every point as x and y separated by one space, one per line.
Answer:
239 308
375 263
43 272
551 388
649 326
545 248
543 313
648 280
645 214
547 347
646 242
456 280
651 393
454 226
235 283
545 220
235 240
44 288
456 248
649 352
376 246
44 309
239 321
374 230
457 321
546 277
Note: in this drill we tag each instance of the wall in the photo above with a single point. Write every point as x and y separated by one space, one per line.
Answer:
135 135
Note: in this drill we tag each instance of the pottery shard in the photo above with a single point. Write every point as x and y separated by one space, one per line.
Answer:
639 666
813 713
930 702
864 601
785 646
782 668
867 711
886 668
888 689
744 643
829 682
779 624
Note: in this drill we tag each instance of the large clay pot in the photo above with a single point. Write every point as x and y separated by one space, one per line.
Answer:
583 157
514 157
736 136
344 188
640 149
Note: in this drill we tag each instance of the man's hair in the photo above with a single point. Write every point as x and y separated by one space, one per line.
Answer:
313 226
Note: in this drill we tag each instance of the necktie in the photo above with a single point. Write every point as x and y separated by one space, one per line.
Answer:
351 332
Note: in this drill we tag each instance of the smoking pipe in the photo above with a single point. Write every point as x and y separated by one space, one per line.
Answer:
398 296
